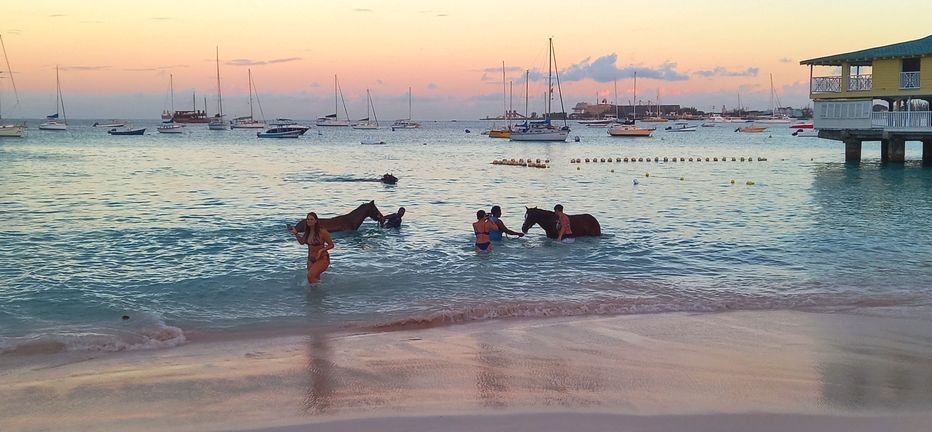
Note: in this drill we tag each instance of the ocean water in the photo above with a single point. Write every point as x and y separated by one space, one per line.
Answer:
186 234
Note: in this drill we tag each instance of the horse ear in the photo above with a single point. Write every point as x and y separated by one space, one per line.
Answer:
372 202
525 207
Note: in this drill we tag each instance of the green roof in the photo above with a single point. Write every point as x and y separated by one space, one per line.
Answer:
915 48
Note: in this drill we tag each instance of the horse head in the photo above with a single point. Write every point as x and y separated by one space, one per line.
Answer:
528 223
372 212
545 218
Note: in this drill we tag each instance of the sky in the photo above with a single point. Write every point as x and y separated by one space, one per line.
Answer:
115 57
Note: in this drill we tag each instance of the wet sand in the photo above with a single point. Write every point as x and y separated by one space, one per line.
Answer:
729 371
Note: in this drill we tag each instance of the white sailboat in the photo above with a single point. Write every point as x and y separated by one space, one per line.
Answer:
334 119
249 122
544 130
10 130
217 122
406 123
52 122
366 123
168 125
774 117
623 130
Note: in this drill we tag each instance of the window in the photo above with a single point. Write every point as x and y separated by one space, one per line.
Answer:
911 65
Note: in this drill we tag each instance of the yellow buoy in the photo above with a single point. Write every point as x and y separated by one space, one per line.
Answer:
732 180
681 178
749 183
647 174
577 169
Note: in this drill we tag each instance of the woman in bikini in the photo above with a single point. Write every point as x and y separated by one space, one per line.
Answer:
318 242
482 227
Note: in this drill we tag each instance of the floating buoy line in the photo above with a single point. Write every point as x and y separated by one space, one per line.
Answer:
536 163
668 159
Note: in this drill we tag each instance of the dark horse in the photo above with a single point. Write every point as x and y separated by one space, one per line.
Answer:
583 225
348 222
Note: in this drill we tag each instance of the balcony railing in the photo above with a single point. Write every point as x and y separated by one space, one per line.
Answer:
860 83
902 120
831 84
909 80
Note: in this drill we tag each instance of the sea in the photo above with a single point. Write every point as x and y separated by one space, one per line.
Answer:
114 243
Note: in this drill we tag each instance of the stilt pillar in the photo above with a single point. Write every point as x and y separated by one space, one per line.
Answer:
852 150
927 152
893 150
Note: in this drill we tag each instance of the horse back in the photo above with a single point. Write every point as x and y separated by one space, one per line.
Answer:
585 225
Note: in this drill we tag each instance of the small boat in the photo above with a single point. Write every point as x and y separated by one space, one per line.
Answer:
217 123
112 124
708 125
681 127
248 122
372 142
630 130
52 123
603 122
127 131
12 131
802 133
801 126
500 133
406 123
751 129
282 132
544 130
366 123
170 127
331 120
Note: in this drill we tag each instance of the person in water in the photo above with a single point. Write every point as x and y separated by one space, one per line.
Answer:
496 234
481 228
393 220
564 230
318 242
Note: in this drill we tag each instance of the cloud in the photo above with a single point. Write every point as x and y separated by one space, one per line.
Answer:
83 68
442 15
154 68
604 69
250 62
432 86
721 71
786 60
57 15
161 18
362 10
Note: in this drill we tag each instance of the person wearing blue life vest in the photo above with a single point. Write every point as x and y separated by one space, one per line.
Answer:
496 235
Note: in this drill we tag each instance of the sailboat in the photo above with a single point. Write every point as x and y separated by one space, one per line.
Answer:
626 130
334 119
10 130
217 122
506 131
544 130
249 122
657 118
52 123
366 123
774 118
193 116
168 117
406 123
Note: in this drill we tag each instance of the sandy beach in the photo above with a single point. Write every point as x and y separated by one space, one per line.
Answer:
780 370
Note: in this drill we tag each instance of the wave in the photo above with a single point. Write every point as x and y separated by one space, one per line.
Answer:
149 334
636 306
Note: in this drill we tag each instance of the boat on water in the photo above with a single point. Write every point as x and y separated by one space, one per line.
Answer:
599 123
334 120
544 130
57 121
751 129
502 132
372 142
170 127
366 123
112 124
801 125
284 128
10 130
406 123
127 131
681 127
249 122
774 117
217 122
193 116
631 130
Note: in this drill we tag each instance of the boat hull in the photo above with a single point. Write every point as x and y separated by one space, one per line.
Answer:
500 134
630 131
806 133
540 135
53 126
12 131
177 129
751 129
139 131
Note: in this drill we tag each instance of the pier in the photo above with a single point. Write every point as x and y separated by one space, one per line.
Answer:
881 95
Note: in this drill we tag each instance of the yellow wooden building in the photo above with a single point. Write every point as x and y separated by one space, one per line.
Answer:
881 93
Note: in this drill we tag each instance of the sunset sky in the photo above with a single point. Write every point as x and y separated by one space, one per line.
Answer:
116 56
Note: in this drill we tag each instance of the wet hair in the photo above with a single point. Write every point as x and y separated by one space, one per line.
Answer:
558 207
480 214
307 231
401 210
496 210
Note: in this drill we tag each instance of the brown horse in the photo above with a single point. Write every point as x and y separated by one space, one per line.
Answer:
348 222
583 225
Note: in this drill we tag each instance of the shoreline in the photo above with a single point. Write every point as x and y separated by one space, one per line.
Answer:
657 365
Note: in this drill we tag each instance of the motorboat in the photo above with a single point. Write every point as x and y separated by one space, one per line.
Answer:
281 132
629 131
681 127
170 127
751 129
112 124
803 133
801 126
127 131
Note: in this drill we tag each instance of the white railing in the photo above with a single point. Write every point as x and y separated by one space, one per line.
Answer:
902 120
860 83
909 80
831 84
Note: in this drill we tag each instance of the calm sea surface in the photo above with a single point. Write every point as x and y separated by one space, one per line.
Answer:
187 233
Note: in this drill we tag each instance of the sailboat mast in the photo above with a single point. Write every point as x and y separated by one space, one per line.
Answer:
504 93
368 104
511 102
64 116
171 90
773 113
549 76
336 102
57 90
249 71
553 55
9 70
409 103
615 83
219 94
635 102
527 76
